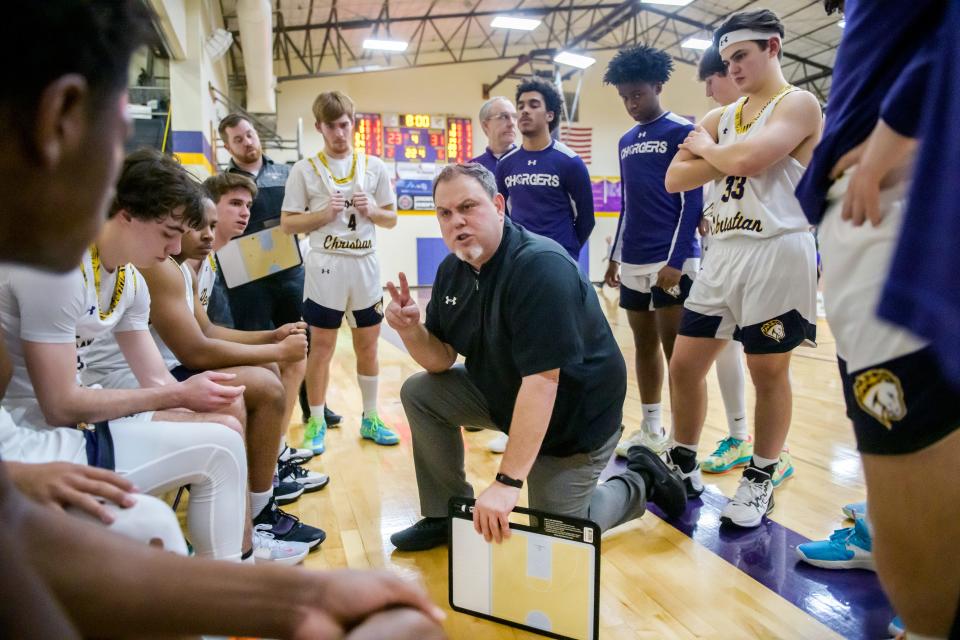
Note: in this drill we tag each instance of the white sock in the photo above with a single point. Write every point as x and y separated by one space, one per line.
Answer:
688 447
258 501
651 419
316 411
731 379
368 391
763 463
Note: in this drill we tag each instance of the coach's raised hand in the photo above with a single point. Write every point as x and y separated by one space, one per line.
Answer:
402 312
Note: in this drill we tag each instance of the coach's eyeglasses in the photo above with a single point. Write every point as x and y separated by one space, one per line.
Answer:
503 117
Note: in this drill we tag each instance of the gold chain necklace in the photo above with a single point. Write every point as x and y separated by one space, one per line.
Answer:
117 287
738 114
341 181
212 261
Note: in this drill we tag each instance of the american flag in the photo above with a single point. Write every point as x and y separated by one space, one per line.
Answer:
579 139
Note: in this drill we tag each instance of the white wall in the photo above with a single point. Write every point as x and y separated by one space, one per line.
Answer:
457 90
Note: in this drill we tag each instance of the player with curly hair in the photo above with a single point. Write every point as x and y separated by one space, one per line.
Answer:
655 253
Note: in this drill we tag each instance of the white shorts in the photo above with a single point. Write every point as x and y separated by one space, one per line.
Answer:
336 285
856 261
760 292
637 290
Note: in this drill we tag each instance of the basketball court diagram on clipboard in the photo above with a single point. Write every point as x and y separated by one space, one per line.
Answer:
258 255
545 578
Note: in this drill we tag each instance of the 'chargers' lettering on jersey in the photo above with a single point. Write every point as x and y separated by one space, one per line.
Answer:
650 146
533 180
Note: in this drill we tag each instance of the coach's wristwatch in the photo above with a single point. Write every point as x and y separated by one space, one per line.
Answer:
503 478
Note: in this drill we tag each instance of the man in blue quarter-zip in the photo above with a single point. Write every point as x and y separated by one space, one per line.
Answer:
656 241
546 185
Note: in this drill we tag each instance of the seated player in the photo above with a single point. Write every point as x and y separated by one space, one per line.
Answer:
52 325
233 195
188 343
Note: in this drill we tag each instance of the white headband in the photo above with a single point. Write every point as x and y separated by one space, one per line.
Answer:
742 35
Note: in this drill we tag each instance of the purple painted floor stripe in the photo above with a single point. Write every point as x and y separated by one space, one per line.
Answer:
848 601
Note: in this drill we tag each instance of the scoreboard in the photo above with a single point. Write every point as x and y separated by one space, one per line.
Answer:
414 144
414 137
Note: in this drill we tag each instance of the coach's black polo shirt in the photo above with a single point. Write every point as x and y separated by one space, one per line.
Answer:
530 310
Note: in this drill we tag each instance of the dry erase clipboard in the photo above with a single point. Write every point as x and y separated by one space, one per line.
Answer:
258 255
544 579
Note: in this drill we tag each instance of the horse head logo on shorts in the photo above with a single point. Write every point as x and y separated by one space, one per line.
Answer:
880 394
774 330
378 308
674 291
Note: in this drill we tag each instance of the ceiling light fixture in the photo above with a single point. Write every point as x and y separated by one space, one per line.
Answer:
384 45
696 43
511 22
574 60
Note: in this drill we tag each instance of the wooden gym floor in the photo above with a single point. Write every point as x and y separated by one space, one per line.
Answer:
689 579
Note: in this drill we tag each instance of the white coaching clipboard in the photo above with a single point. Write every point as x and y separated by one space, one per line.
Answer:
257 255
545 578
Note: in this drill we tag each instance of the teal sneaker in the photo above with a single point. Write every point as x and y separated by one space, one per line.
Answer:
895 628
730 453
783 470
372 428
849 548
313 435
855 510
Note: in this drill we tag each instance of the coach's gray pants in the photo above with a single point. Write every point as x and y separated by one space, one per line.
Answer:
437 404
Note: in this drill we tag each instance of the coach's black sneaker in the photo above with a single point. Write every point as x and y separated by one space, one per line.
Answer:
684 463
283 526
310 481
426 534
287 492
665 487
333 420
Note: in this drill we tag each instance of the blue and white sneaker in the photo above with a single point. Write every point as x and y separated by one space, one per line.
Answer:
855 510
849 548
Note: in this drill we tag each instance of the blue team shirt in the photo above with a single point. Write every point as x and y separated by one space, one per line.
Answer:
880 41
488 160
549 193
655 226
921 292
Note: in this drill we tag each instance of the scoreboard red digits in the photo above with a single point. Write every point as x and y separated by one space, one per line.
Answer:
368 134
459 139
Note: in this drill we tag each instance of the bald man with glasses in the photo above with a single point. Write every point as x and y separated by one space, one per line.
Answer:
498 118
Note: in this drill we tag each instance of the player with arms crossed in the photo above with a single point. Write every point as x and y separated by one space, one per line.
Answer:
759 285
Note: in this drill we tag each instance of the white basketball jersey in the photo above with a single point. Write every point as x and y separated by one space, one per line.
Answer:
122 292
169 359
205 280
349 233
760 206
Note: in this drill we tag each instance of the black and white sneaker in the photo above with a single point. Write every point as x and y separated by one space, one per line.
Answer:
283 526
753 499
666 488
692 480
287 492
297 456
291 473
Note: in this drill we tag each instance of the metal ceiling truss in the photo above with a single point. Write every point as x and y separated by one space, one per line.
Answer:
464 37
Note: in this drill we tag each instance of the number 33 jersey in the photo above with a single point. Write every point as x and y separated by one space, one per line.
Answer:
761 206
314 180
